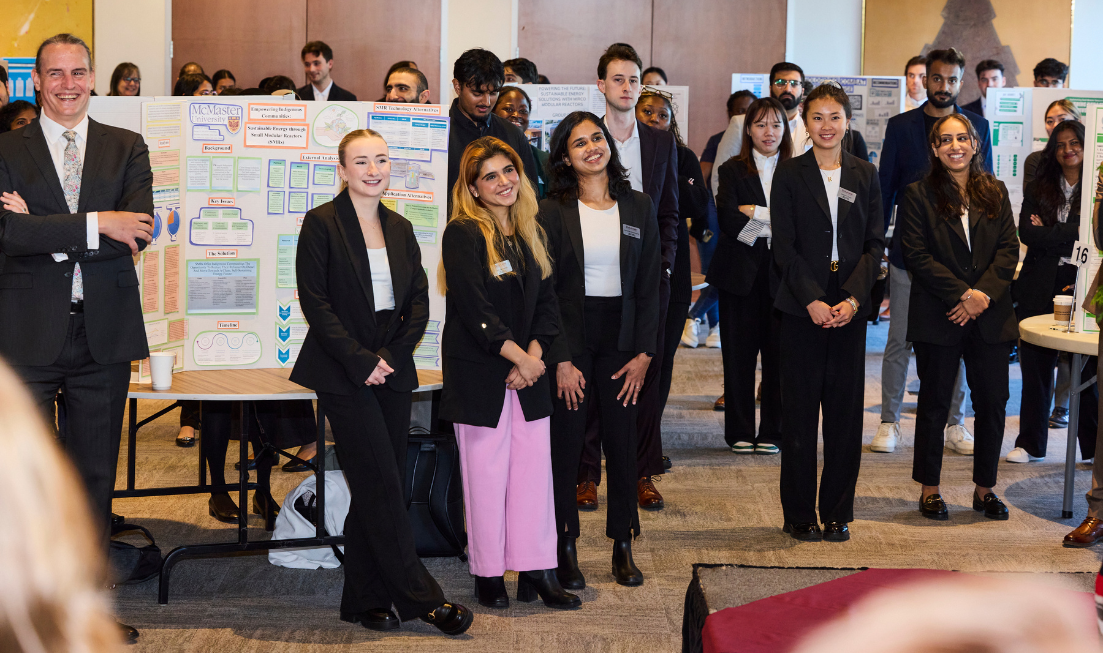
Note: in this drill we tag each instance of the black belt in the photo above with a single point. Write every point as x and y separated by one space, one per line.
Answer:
76 307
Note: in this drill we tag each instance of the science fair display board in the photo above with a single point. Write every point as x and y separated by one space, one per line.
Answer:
873 100
232 180
1086 251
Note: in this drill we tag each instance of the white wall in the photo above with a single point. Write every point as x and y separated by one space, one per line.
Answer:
1087 48
466 24
139 31
824 38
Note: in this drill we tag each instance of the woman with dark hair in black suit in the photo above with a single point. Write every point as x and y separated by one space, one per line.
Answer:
825 213
958 238
366 297
744 273
603 237
1049 224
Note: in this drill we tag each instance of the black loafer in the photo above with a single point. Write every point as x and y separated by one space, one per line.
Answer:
222 507
836 531
933 507
450 618
378 619
991 505
130 633
806 532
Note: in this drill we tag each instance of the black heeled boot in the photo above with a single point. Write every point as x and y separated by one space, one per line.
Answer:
546 585
570 576
222 507
265 506
491 591
624 569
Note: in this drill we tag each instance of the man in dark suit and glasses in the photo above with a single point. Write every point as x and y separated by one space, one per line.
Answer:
68 289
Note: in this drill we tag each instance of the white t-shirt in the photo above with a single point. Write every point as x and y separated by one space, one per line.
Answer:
601 250
831 181
381 286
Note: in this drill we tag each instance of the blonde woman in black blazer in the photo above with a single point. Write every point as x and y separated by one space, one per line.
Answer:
365 295
826 276
958 237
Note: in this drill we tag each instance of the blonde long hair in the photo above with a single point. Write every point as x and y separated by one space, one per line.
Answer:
52 567
522 214
355 135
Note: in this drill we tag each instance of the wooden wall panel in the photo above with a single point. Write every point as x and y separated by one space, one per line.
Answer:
366 43
229 35
700 43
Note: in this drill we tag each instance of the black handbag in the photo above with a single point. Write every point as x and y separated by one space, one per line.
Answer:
434 494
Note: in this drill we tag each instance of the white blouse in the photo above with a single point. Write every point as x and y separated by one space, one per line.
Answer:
831 181
601 250
381 286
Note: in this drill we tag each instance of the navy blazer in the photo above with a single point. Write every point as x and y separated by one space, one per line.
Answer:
906 158
976 106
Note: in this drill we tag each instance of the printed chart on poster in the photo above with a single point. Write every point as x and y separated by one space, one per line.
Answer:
873 100
1093 176
232 181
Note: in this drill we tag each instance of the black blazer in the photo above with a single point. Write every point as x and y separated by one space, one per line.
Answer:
335 291
639 275
943 268
336 93
736 265
1033 290
659 157
693 205
36 291
477 324
801 223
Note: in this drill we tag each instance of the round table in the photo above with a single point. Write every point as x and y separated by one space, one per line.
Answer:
1044 331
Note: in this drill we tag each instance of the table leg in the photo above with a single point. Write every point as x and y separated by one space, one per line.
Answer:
1075 387
320 475
131 439
243 474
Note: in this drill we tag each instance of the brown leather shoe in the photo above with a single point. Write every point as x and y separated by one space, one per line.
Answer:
648 496
1087 533
587 495
719 405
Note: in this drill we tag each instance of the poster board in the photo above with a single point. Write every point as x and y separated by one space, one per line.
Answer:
1093 175
233 178
873 100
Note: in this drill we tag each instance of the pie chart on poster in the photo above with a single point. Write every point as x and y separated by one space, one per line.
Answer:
173 221
156 225
332 123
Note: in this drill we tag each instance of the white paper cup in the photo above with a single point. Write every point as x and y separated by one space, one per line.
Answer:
160 368
1062 308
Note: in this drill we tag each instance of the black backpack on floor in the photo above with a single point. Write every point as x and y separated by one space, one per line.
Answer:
434 494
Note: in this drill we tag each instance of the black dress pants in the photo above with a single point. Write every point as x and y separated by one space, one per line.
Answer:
749 325
617 433
987 376
821 367
1037 365
371 428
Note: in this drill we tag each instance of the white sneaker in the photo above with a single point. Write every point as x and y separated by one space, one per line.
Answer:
1019 455
689 334
713 339
885 440
959 439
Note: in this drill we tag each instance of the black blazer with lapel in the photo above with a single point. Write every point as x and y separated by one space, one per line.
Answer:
735 265
336 94
801 223
335 291
659 157
639 275
943 267
35 290
477 324
1033 289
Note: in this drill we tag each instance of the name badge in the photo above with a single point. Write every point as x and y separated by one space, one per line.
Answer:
629 230
847 195
501 268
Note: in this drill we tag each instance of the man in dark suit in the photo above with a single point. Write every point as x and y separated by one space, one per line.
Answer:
989 75
317 64
905 158
68 289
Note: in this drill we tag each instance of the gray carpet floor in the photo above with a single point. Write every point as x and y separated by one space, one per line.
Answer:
720 508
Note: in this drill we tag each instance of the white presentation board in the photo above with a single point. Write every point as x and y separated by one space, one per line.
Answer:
873 100
1093 175
232 179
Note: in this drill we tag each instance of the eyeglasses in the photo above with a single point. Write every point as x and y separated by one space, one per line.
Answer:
208 93
781 83
651 90
132 80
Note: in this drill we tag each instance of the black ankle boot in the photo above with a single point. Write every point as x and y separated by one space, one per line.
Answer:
265 506
544 583
624 569
570 576
222 507
491 591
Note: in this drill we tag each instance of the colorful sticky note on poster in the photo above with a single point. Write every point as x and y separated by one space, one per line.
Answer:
300 175
391 203
324 175
275 202
318 199
422 215
297 202
277 173
248 174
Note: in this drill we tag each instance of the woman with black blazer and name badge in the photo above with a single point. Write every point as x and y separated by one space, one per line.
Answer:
825 213
958 237
365 295
501 318
604 239
744 274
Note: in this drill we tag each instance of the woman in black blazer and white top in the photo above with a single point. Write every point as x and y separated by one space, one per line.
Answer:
500 322
958 238
825 210
744 274
364 293
604 239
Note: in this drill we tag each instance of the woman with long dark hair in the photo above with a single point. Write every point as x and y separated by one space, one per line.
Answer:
958 238
603 237
501 319
126 80
1049 225
747 280
825 214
